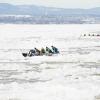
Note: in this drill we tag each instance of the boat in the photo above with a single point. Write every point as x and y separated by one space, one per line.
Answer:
27 55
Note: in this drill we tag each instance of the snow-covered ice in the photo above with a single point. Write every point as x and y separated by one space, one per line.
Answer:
74 74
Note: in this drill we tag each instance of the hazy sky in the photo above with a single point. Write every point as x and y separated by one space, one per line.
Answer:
58 3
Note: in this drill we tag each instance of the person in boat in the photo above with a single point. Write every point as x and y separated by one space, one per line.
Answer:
48 51
37 52
55 50
42 52
31 52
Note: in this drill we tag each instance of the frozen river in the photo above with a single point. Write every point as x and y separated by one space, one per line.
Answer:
74 74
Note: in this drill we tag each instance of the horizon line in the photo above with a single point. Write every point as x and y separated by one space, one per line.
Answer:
49 6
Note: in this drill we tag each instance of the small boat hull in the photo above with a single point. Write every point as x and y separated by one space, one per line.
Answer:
25 54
